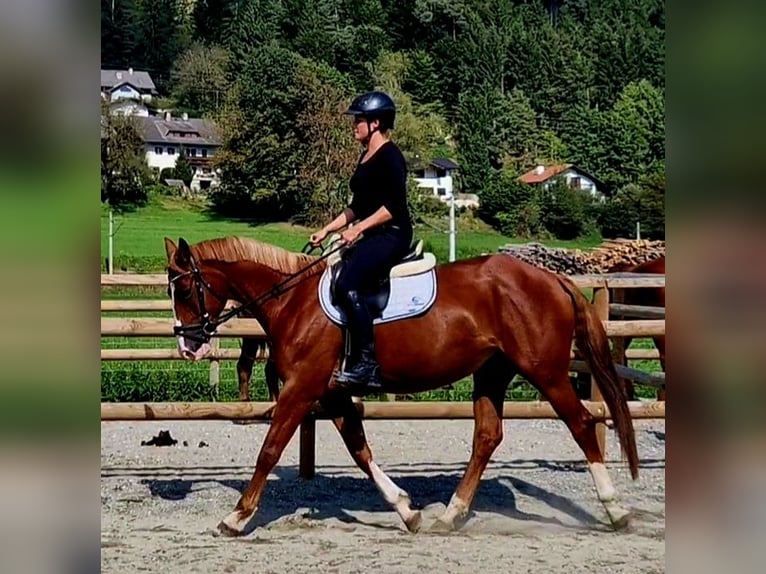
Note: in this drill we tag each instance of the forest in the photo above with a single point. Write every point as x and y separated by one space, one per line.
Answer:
499 86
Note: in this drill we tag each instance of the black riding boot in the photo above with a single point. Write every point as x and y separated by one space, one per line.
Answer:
364 373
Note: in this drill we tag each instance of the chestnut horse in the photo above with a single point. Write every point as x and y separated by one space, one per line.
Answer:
494 316
649 296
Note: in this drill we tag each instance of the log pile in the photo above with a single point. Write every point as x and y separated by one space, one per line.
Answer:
580 262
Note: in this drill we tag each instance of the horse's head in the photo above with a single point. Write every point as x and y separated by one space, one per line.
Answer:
198 294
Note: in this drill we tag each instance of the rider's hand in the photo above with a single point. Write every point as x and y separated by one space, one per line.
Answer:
350 235
317 238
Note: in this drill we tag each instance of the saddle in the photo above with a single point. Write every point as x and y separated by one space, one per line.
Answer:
412 282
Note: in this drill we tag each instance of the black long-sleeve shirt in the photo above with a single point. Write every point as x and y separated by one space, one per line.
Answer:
382 181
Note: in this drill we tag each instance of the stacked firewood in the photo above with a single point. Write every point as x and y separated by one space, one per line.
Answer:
580 262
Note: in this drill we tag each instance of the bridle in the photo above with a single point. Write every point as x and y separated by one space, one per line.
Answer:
203 331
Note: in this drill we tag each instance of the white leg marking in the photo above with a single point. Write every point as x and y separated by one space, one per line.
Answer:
396 497
236 524
607 494
457 508
604 486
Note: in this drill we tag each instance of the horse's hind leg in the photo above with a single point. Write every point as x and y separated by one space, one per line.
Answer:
555 386
490 383
349 424
272 380
247 356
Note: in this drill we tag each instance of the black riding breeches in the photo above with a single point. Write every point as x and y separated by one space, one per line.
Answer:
370 260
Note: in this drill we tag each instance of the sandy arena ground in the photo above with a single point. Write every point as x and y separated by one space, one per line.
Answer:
535 511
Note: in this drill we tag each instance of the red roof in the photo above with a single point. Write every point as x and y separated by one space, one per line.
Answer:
550 171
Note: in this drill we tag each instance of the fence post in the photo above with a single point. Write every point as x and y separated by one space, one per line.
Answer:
215 367
307 463
601 302
618 343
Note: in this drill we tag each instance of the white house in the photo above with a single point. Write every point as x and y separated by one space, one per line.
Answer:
574 177
437 176
165 136
127 84
128 107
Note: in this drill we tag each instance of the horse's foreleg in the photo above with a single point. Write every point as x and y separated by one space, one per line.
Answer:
289 412
490 383
349 424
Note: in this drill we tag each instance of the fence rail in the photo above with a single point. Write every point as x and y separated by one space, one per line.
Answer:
637 322
410 410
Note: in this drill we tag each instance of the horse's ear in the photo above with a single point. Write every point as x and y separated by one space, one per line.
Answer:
183 254
170 248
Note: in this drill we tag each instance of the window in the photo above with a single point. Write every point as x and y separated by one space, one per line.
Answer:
171 151
440 191
192 152
158 150
204 153
575 183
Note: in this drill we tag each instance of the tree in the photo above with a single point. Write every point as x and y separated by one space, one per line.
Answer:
420 131
200 79
504 202
161 36
422 78
643 203
250 24
517 131
583 133
124 172
210 17
260 154
329 152
183 169
634 135
478 138
119 33
565 211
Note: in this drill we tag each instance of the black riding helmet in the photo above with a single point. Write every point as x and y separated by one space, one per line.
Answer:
374 106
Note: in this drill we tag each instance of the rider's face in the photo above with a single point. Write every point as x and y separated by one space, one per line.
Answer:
362 128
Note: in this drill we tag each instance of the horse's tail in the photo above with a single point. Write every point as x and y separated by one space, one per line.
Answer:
593 344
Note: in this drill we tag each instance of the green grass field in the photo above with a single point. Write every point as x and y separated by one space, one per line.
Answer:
138 236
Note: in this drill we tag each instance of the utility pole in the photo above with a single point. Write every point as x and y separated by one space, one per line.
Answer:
452 231
110 261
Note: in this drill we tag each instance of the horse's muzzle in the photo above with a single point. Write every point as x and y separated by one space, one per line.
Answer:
193 354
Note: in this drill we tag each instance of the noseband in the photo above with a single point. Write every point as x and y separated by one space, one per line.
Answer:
203 331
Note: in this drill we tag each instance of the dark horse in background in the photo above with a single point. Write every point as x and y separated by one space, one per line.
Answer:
493 317
651 297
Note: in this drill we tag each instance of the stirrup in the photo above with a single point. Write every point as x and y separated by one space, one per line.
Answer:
349 378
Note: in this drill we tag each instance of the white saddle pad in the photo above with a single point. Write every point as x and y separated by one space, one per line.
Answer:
410 296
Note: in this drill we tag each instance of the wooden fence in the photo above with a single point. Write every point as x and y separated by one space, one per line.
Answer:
643 322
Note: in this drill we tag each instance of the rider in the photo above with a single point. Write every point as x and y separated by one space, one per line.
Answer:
379 208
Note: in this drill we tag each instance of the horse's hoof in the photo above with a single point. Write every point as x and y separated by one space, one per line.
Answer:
414 522
441 526
227 531
619 517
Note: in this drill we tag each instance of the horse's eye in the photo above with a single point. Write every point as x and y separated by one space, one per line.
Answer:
183 294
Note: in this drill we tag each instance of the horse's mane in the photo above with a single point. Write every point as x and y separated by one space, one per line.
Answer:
233 249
